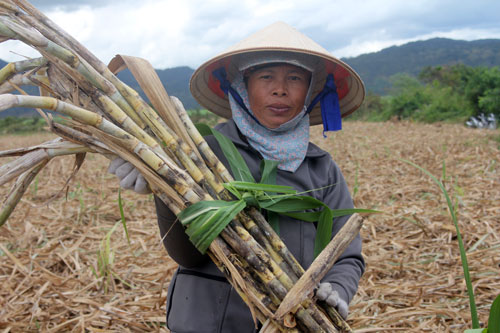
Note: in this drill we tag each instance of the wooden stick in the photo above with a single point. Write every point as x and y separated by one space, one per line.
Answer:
18 190
320 266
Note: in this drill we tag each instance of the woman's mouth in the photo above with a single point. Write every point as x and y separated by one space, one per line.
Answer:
279 108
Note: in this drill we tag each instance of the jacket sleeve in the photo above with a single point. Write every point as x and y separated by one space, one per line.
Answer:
175 240
349 267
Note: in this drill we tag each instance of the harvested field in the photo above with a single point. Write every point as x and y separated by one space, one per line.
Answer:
49 248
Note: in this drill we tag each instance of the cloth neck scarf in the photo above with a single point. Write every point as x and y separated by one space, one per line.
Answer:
286 143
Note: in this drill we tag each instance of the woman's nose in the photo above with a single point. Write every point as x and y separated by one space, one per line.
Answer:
280 88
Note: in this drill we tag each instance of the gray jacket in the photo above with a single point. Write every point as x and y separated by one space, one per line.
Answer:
201 300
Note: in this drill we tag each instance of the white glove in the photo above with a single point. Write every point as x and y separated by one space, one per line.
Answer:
326 293
130 178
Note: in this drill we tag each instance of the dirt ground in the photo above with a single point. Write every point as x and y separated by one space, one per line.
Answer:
62 270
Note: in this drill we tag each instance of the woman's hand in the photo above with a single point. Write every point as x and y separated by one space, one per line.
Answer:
326 293
130 178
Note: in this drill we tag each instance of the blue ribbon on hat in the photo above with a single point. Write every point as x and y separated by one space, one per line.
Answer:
225 85
330 108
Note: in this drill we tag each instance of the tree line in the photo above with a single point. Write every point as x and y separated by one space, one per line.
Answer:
441 93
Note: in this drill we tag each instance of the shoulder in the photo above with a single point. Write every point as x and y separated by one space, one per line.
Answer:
314 151
317 158
320 167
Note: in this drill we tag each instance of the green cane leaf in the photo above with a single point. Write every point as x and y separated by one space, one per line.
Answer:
236 162
233 190
349 211
324 231
248 186
304 216
204 129
314 216
122 215
219 221
288 204
494 319
268 171
206 219
200 208
274 221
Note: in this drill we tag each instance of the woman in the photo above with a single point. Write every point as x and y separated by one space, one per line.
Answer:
271 86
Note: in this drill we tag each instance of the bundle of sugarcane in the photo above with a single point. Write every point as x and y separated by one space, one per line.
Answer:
110 118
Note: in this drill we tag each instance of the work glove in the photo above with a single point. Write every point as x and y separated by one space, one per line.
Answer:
130 178
326 293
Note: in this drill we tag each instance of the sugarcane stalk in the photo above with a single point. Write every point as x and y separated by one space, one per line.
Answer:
175 176
157 184
79 69
255 247
270 281
285 280
259 236
275 241
278 246
212 160
84 116
20 66
18 190
142 109
264 305
13 29
321 265
262 301
16 167
79 137
52 32
180 145
116 113
310 316
80 115
161 130
8 6
22 80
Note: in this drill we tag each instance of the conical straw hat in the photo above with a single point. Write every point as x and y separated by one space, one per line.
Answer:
282 38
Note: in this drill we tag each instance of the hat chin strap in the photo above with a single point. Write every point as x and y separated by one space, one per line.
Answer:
328 98
225 85
330 108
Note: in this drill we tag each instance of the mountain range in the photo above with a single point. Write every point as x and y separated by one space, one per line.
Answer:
374 68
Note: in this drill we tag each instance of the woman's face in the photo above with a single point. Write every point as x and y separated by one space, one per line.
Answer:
277 93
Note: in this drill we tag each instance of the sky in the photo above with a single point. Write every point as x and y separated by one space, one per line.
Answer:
171 33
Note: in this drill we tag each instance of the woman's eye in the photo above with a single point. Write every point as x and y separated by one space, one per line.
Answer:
295 78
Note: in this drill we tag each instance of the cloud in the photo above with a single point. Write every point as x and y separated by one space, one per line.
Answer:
174 33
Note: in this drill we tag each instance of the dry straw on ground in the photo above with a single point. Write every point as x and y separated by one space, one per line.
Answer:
413 283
